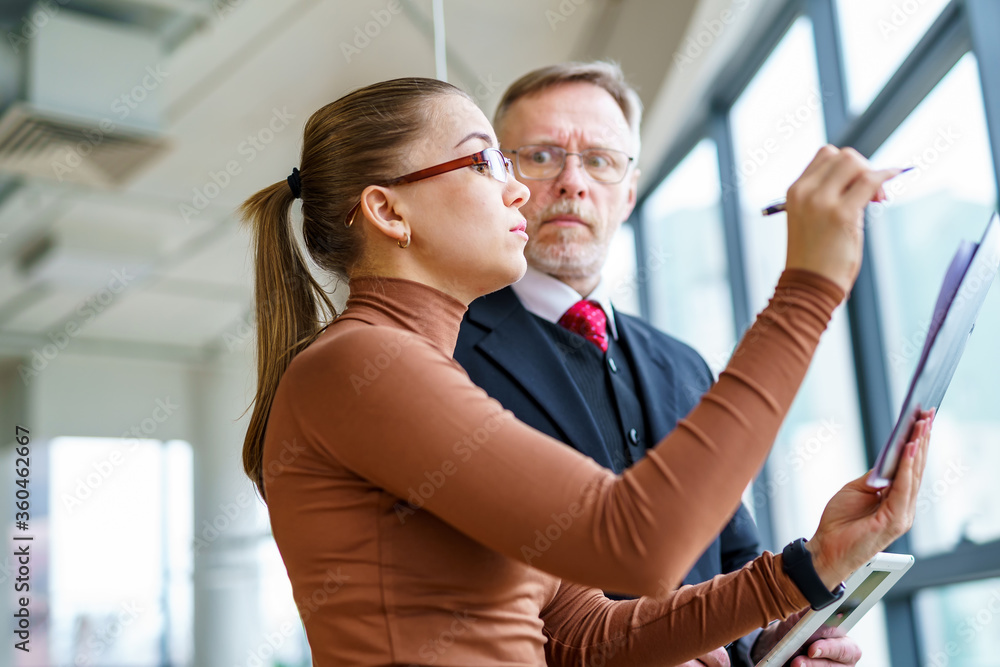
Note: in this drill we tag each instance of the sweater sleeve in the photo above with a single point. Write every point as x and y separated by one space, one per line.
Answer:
396 411
584 627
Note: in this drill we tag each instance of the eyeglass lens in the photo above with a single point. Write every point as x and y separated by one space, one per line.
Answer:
500 166
602 164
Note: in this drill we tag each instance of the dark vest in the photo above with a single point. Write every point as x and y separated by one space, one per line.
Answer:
607 382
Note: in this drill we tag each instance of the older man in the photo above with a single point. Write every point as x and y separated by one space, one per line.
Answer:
551 348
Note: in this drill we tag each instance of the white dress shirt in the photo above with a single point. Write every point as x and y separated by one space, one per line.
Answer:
549 297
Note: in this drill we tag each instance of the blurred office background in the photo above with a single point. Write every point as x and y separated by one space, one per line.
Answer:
131 129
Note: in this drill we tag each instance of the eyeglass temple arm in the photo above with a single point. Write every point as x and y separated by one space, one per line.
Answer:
451 165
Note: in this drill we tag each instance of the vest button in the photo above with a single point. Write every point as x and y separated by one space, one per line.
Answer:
633 436
612 365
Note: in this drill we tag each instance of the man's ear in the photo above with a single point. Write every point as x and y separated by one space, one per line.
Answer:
633 189
379 207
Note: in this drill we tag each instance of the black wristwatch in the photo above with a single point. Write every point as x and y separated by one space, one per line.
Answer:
797 563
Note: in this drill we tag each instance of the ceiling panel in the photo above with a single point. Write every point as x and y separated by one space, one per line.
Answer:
236 96
164 318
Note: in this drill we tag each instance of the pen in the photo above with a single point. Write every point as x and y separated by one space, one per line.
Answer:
780 206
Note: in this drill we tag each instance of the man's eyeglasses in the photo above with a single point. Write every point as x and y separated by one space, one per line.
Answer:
488 160
540 162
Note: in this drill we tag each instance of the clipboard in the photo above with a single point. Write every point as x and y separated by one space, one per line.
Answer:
862 590
962 294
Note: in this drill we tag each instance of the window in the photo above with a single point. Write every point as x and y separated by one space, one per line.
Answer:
877 36
960 624
120 558
620 271
777 129
948 197
766 118
685 251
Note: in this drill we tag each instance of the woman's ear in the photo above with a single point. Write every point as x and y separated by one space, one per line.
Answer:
379 206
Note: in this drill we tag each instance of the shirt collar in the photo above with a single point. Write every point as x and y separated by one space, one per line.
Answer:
549 297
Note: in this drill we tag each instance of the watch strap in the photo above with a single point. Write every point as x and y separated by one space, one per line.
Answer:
797 563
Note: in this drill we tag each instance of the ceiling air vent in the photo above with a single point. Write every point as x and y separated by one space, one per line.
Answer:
39 144
90 103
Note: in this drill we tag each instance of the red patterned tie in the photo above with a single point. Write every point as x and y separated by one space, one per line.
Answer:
587 319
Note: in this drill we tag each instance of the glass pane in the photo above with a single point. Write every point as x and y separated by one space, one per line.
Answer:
620 274
283 640
777 129
120 557
960 625
948 197
686 257
877 35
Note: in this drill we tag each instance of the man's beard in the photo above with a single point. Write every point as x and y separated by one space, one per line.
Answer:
574 252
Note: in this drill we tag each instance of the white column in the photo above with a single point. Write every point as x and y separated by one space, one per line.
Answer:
227 522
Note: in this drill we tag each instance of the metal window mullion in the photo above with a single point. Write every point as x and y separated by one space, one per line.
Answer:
945 42
863 315
721 134
983 18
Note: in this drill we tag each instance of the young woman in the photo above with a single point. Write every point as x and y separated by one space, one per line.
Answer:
422 524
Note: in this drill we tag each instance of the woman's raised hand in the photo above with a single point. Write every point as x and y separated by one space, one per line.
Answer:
825 209
860 520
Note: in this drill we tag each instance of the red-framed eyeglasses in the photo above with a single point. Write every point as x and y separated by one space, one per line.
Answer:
491 160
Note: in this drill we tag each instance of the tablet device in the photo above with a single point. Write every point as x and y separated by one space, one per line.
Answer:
861 591
962 294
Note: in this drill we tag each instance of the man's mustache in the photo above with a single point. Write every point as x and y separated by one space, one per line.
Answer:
567 207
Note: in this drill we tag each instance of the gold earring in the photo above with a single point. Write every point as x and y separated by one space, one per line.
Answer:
406 245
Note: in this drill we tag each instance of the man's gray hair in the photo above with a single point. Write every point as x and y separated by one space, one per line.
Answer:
604 74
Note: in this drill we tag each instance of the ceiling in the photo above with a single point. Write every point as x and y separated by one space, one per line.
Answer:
153 264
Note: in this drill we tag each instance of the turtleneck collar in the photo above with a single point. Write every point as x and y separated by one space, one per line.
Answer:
406 304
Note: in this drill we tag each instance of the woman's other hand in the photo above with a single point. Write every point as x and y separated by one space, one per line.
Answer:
860 520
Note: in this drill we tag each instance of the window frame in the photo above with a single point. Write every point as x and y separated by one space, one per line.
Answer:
962 27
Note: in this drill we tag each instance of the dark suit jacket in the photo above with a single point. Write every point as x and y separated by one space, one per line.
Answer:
505 351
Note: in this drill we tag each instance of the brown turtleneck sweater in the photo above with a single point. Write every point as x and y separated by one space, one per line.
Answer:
422 524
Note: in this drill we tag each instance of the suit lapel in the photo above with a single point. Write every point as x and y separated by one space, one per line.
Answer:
518 344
